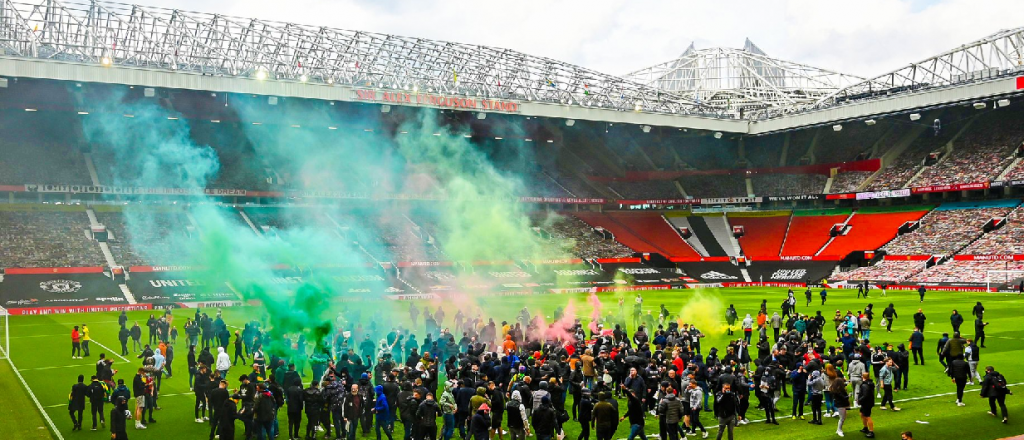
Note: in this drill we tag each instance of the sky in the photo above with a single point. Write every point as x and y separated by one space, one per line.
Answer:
859 37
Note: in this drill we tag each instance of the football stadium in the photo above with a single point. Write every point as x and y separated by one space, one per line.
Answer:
242 227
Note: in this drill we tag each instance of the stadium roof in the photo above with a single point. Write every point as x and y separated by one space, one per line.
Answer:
212 44
744 81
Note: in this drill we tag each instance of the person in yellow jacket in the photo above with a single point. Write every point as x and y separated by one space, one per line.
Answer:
85 340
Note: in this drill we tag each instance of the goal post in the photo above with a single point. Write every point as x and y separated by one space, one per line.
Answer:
5 334
1002 277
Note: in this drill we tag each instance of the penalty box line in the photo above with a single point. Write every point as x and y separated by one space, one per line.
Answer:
32 395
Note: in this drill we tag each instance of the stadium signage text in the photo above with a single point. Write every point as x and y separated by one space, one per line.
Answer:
104 189
950 188
436 101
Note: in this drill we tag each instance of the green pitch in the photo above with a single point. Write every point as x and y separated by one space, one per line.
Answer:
40 350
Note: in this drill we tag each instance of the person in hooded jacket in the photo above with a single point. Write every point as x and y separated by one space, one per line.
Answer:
480 423
223 362
994 387
816 388
313 401
382 412
226 416
119 419
427 414
294 401
670 412
448 408
545 421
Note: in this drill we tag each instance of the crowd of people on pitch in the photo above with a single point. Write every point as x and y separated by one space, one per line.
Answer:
531 377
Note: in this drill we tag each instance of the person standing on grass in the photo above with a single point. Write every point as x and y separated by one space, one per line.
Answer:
119 419
604 422
886 376
979 332
201 388
239 346
312 400
824 296
972 354
727 405
919 319
695 395
890 315
956 320
920 292
960 371
97 393
152 324
635 414
994 387
216 398
122 337
85 340
841 401
748 327
866 401
816 389
136 334
670 412
76 402
730 318
917 345
139 391
224 362
76 343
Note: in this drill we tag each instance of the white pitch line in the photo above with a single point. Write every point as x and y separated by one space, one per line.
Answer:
31 394
115 353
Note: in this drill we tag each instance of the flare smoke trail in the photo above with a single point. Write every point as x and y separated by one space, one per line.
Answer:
480 219
705 310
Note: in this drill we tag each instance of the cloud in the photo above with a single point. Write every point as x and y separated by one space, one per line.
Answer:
865 37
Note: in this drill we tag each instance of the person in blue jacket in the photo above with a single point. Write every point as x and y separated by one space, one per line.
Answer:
380 408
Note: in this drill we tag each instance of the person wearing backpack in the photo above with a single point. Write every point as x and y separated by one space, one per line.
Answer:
264 413
519 424
994 387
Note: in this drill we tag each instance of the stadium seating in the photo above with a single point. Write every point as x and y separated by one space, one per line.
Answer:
870 230
651 189
964 271
848 182
981 154
714 186
40 153
585 242
47 239
763 235
788 184
886 270
1007 240
1017 173
808 233
150 245
944 232
653 228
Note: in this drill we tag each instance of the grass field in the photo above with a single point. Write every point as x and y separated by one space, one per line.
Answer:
40 351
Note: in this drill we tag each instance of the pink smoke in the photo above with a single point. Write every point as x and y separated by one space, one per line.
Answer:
595 314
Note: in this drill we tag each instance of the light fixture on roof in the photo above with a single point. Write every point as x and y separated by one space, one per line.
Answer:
303 78
646 128
30 109
551 141
915 116
528 140
261 74
467 135
296 126
718 135
980 105
83 113
105 61
437 134
870 122
837 127
1002 103
385 108
272 100
215 121
172 118
330 80
257 123
332 128
127 115
481 115
570 122
498 138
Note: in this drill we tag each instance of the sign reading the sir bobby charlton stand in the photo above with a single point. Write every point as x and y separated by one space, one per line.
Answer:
440 101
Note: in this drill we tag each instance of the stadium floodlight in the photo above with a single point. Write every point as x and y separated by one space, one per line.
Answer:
257 123
83 113
296 126
646 128
718 135
498 138
149 92
980 105
481 115
334 128
105 61
1002 102
528 140
870 122
551 141
837 127
303 78
272 100
261 74
215 121
385 108
570 122
467 135
30 109
128 115
172 118
915 116
330 80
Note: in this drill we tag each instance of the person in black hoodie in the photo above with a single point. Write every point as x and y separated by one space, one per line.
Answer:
635 414
408 403
480 424
293 395
427 415
313 401
119 419
122 337
226 415
498 411
96 395
215 400
866 400
728 405
586 414
76 402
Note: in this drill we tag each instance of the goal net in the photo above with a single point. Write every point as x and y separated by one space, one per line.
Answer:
1003 277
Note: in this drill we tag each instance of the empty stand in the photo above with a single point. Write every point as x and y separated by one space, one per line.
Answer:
763 235
808 233
682 221
702 231
655 229
869 231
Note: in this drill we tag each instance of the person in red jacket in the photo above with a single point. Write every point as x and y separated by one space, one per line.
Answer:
76 344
